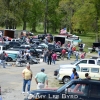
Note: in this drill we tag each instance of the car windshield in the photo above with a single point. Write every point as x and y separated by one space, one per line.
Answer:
64 86
74 62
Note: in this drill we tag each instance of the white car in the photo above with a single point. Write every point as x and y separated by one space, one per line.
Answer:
65 73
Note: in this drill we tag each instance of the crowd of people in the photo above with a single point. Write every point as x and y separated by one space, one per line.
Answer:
41 78
68 51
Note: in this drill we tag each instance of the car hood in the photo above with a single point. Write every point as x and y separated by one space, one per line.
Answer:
66 66
45 90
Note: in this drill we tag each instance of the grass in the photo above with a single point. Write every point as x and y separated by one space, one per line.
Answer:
55 83
88 39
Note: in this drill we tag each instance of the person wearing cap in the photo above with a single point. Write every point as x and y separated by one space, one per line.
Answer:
27 77
87 76
41 79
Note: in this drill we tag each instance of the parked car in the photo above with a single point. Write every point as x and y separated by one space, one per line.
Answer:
82 61
82 89
65 73
42 36
11 57
14 44
53 48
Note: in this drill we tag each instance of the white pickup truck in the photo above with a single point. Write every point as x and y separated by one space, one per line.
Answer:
82 61
3 48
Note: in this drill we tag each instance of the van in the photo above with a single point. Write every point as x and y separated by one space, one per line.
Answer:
93 70
73 40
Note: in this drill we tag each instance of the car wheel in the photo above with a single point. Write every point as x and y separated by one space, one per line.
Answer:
9 59
66 80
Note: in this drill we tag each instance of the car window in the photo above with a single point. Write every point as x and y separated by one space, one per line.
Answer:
83 61
98 62
17 44
95 70
79 89
77 68
91 62
4 48
95 90
84 69
13 40
11 43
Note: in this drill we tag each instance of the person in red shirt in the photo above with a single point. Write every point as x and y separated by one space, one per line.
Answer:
54 57
73 49
63 52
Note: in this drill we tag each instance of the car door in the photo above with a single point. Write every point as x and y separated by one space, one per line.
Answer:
94 92
82 72
94 73
78 91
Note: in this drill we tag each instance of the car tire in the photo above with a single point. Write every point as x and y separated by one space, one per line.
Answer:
9 59
66 80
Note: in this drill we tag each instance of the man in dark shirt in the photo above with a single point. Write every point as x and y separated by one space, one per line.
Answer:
87 76
3 59
49 57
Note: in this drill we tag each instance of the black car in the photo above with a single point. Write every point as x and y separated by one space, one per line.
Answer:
14 44
54 48
78 89
42 36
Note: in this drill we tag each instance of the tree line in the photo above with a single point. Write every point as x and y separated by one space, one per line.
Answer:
76 15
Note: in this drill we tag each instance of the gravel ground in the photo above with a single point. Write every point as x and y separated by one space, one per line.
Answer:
11 79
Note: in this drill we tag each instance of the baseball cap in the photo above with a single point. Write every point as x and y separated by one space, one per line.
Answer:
42 69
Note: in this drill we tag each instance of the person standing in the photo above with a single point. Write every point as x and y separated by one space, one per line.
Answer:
69 53
54 57
77 55
27 77
41 79
63 53
45 55
87 76
3 58
49 55
74 74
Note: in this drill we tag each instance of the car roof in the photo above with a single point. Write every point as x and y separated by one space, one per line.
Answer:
89 65
87 81
67 65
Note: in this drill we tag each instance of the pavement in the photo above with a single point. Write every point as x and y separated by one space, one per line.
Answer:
11 79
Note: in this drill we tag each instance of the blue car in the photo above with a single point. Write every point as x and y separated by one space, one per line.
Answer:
11 57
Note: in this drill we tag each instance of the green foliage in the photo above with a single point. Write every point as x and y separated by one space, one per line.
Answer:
76 15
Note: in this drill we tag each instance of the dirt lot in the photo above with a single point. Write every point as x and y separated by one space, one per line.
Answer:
11 79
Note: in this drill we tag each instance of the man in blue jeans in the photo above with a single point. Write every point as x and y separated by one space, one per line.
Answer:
27 77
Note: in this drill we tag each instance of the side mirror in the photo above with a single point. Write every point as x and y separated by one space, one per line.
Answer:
66 91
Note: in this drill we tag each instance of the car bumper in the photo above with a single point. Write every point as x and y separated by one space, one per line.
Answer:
59 79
